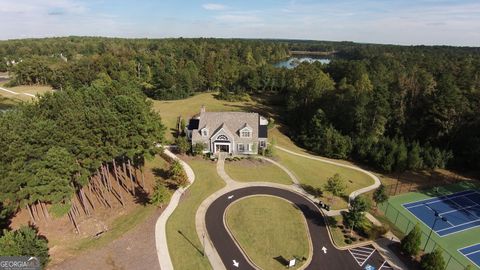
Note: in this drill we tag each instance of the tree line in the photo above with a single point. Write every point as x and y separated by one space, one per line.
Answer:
165 69
76 150
393 107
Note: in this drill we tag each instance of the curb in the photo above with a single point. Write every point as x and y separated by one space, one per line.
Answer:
250 261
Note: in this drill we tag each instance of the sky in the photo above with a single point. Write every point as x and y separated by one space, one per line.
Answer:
405 22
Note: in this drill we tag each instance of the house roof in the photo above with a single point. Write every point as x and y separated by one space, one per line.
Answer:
230 121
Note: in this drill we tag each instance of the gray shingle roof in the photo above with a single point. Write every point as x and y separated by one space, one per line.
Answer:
233 121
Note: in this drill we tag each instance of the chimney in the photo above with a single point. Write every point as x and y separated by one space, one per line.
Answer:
202 109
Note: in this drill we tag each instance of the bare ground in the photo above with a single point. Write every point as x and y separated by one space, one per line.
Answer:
134 250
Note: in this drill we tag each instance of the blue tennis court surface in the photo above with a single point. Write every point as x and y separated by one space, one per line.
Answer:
456 212
472 253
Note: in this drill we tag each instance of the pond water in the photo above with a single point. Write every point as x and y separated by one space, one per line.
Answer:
293 62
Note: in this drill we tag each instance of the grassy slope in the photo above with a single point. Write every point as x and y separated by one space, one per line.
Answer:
256 171
316 173
451 242
185 250
170 110
268 227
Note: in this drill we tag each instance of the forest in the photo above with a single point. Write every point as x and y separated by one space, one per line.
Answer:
395 108
74 150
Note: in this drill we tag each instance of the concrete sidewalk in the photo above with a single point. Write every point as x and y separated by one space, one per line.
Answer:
160 227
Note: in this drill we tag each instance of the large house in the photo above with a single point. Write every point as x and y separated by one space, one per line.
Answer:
231 132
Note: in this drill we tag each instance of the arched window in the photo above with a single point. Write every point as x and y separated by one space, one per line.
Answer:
222 138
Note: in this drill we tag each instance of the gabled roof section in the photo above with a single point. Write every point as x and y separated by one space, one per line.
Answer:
222 129
246 126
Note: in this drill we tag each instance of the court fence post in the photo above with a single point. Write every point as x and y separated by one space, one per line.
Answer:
449 259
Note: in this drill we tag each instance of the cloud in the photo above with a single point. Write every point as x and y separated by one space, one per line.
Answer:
213 6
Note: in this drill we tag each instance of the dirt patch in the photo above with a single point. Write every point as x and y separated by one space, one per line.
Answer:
134 250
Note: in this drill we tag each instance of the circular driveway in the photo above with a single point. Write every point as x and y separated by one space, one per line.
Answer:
230 253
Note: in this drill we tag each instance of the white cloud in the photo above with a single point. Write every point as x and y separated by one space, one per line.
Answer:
213 6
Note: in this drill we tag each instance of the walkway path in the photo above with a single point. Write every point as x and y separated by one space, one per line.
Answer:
354 194
160 227
15 93
231 185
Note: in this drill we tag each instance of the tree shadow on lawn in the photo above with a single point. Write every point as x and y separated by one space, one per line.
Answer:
191 243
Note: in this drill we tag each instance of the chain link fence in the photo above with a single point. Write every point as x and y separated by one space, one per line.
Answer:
405 225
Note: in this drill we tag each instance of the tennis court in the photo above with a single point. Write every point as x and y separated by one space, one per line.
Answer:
472 253
448 214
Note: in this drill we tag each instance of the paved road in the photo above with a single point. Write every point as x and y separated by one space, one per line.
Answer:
228 251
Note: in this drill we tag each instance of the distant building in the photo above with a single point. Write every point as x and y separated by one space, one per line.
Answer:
231 132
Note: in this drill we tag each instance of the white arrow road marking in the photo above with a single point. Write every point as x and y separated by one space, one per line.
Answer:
235 263
324 250
230 197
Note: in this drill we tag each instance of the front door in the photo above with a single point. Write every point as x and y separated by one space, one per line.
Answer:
222 148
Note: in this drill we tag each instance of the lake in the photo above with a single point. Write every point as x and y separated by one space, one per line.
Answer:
295 61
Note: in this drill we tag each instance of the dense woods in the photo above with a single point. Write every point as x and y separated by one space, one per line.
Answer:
76 150
395 108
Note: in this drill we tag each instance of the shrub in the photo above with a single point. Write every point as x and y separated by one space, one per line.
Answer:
348 241
410 244
182 145
198 149
433 261
160 194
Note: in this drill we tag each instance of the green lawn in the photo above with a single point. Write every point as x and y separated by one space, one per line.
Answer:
315 173
404 221
256 170
170 110
185 247
24 89
267 228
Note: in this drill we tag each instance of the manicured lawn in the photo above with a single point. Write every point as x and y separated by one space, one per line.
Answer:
170 110
185 247
315 173
268 228
256 170
404 221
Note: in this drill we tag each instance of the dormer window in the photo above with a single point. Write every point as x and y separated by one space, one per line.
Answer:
204 132
246 134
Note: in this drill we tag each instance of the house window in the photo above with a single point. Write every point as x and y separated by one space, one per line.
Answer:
241 147
245 134
262 144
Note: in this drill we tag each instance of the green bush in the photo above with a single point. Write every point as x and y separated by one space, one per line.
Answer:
348 241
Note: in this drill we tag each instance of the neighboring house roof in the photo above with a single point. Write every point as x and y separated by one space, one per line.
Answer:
231 122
